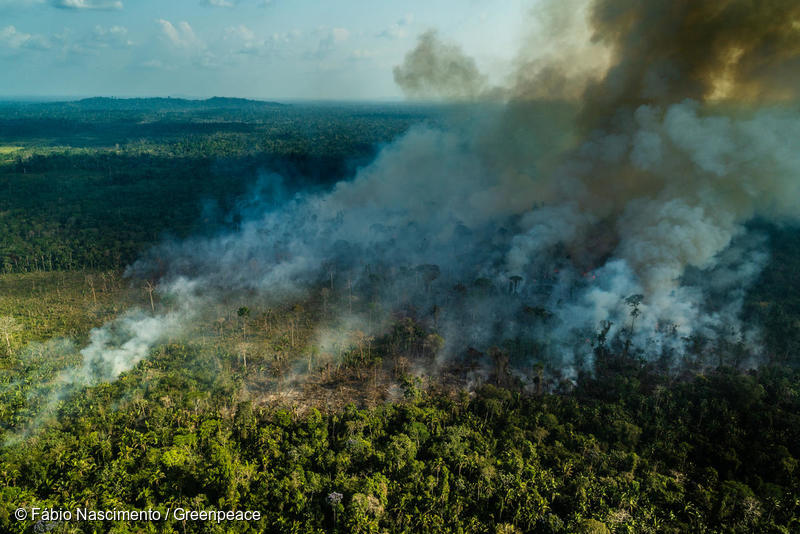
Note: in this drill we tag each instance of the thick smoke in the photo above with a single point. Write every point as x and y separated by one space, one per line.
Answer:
606 197
668 51
437 69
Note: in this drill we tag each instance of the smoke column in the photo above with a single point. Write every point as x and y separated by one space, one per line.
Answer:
607 187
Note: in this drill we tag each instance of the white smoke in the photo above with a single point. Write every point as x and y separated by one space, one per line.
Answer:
535 221
119 345
680 203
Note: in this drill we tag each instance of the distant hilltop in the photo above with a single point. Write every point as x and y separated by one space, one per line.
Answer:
170 104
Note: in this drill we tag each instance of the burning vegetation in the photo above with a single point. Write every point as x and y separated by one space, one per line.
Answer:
573 190
548 307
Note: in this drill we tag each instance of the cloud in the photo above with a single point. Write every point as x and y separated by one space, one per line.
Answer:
10 37
87 4
180 36
363 54
243 40
99 40
393 32
331 37
217 3
183 41
398 30
340 34
156 64
241 32
112 37
7 4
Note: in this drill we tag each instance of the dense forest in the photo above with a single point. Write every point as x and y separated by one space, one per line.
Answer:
364 442
169 165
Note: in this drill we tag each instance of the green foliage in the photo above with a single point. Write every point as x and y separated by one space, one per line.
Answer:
91 184
717 453
85 187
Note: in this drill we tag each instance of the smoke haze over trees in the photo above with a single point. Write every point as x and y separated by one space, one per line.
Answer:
570 190
564 301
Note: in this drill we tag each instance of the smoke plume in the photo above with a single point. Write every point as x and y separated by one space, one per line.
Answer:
437 69
603 195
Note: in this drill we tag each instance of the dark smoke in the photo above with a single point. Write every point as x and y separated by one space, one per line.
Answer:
667 51
441 70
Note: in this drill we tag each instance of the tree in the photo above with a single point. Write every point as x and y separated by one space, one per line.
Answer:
243 313
633 302
90 283
501 362
429 273
593 526
8 328
150 287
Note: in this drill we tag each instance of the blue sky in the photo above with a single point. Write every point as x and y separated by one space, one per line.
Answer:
279 49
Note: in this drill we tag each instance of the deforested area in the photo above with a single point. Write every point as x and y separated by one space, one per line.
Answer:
551 293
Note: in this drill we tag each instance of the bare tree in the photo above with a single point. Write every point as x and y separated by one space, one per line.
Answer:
243 348
220 323
428 273
313 353
90 282
150 288
501 361
325 294
8 328
267 316
104 277
350 295
633 302
539 368
243 313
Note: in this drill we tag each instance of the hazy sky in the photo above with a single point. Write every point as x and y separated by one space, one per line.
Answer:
327 49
